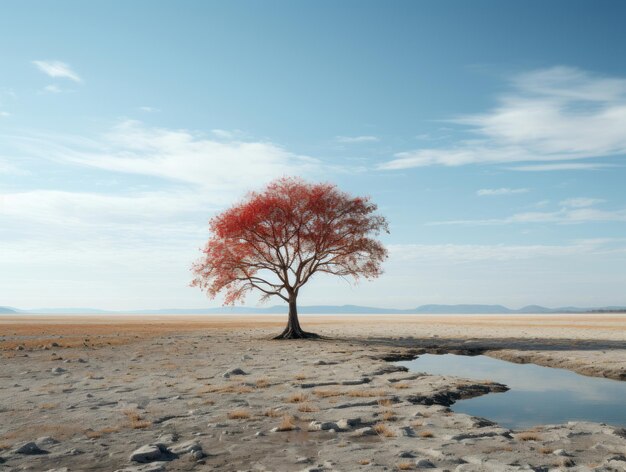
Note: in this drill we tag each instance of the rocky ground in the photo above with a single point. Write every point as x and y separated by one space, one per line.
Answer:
223 397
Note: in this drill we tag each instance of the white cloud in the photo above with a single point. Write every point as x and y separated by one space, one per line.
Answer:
356 139
467 253
223 168
4 113
500 191
581 202
149 109
554 114
571 211
561 166
57 69
56 207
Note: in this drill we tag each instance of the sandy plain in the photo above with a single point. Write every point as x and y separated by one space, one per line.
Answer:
150 393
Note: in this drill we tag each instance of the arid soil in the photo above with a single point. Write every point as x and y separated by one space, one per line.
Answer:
215 393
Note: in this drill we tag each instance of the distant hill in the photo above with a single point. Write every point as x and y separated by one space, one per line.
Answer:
466 309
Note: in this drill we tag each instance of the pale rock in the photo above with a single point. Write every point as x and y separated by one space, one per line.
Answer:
149 453
186 447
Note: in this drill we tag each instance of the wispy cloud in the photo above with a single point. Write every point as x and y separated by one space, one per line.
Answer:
148 109
571 211
57 69
555 114
224 168
581 202
561 166
467 253
356 139
488 192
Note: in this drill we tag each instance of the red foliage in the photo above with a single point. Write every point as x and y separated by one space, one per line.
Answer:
275 240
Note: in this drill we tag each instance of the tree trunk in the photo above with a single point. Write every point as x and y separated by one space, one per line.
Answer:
293 329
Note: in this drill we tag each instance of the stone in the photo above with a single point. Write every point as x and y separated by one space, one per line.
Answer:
566 462
150 453
58 370
348 423
29 448
235 371
424 464
155 467
186 447
322 426
168 438
560 452
366 431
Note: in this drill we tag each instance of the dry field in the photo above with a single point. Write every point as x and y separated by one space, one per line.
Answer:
91 390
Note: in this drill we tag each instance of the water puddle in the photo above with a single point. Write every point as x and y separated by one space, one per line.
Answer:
538 395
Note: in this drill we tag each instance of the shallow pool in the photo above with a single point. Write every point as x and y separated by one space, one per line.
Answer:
537 395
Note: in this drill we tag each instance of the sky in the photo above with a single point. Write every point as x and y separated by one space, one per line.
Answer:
491 134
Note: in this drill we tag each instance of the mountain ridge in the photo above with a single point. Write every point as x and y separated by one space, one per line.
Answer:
434 309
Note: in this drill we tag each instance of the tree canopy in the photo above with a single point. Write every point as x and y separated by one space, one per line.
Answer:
275 240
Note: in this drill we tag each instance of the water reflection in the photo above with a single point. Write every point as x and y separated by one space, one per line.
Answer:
538 395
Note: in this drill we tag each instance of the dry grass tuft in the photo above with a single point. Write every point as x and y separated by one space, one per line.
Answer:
300 376
298 397
262 382
306 407
389 415
364 462
272 413
91 434
404 466
327 392
135 420
228 388
416 423
48 406
528 436
287 424
239 414
401 385
383 430
425 434
546 450
385 402
110 429
367 393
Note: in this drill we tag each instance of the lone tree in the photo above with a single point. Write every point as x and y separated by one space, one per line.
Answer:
275 240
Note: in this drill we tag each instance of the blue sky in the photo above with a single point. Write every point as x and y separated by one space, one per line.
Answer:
491 134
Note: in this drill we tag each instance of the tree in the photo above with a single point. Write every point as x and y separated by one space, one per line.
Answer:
275 240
